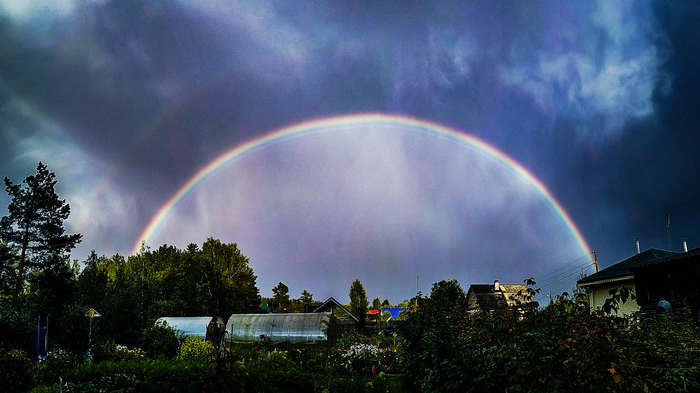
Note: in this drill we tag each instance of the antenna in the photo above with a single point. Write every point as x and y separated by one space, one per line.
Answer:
668 230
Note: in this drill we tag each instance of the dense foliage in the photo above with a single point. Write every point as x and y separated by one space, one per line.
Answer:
563 347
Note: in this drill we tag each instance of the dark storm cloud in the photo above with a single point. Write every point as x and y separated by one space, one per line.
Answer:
652 169
595 98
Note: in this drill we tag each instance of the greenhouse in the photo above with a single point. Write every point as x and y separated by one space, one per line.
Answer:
189 326
278 327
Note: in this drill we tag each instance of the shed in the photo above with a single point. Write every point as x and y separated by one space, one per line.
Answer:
278 327
189 326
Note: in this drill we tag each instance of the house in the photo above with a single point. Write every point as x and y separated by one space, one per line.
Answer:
490 297
674 279
617 276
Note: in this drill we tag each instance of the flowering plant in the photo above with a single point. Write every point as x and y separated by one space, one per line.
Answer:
56 363
361 356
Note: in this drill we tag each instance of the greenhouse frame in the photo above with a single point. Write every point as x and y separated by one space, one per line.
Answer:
278 327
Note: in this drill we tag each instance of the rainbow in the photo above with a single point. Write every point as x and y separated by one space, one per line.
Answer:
356 120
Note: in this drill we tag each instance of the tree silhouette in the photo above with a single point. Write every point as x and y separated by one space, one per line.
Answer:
358 301
34 226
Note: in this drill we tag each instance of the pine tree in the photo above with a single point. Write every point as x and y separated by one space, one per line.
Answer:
34 225
358 301
281 296
306 298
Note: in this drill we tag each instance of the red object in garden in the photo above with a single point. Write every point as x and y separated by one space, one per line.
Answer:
374 312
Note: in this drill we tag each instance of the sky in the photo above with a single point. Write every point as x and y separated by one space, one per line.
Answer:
127 100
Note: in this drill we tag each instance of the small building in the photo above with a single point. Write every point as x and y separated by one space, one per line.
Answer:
278 327
344 319
617 276
674 279
491 297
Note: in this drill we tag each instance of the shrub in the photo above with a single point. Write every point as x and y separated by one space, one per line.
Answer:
56 365
562 347
160 340
137 375
195 349
361 357
16 371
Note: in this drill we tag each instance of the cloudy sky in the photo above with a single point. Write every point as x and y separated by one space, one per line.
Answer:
126 100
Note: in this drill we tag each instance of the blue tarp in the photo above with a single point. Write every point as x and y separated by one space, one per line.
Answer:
394 311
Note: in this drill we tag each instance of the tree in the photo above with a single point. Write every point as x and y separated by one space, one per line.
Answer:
431 331
358 301
7 261
306 298
92 281
231 283
34 225
281 296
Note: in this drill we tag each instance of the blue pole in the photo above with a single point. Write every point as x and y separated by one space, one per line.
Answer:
46 338
38 338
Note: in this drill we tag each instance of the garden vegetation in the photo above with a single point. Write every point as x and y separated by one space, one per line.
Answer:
437 346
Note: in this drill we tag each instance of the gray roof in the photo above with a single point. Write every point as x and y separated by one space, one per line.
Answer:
330 303
624 268
489 299
676 258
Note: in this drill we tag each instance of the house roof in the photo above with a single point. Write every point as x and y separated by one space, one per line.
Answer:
675 258
330 303
624 268
490 299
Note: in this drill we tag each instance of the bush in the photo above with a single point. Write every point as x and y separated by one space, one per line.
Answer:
361 357
562 347
57 364
15 371
160 340
195 349
138 375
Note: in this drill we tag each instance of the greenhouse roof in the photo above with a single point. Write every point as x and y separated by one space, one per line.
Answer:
190 326
278 327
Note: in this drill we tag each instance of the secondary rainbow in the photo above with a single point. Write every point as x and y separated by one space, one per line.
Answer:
356 120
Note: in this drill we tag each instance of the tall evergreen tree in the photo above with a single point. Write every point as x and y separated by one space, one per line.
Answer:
34 225
358 301
306 297
281 296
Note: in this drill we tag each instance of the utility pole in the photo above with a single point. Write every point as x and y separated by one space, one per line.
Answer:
595 260
668 231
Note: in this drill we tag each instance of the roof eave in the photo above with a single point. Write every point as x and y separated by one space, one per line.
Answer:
606 281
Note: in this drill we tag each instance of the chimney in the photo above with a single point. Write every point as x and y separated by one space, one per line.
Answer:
685 246
496 286
636 244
